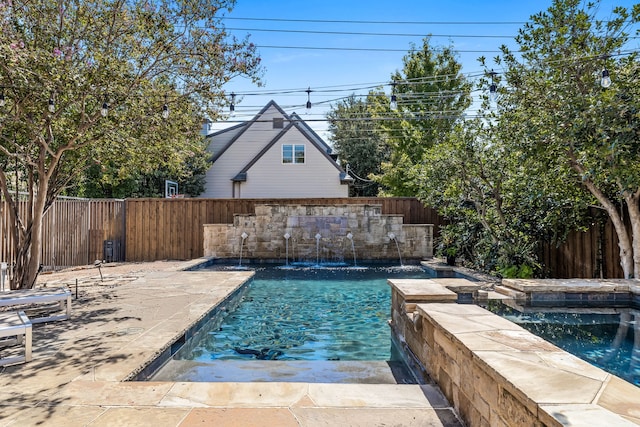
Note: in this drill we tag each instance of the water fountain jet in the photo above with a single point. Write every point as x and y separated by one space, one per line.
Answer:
353 248
318 237
287 236
394 238
244 237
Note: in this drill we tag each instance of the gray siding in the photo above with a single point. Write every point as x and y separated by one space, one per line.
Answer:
245 148
317 177
268 177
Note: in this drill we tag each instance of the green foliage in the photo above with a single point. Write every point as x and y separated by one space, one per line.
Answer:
555 111
357 140
432 95
134 56
109 179
518 176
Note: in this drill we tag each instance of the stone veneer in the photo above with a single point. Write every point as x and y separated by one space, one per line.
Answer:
267 227
496 373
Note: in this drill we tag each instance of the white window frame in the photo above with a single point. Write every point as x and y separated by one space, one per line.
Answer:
294 148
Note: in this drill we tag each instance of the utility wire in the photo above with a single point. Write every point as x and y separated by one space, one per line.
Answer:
362 49
338 21
354 33
352 87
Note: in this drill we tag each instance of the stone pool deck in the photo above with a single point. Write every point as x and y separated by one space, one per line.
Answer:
77 376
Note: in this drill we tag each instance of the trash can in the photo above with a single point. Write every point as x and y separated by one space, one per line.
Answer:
107 251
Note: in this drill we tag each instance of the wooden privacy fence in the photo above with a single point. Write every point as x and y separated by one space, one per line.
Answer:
590 254
172 228
74 232
80 231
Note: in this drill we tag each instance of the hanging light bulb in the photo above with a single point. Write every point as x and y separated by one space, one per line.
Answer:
105 108
52 105
165 109
394 101
605 81
493 88
232 106
308 99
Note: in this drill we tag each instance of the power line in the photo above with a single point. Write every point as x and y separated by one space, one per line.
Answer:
426 116
338 21
354 33
352 87
361 49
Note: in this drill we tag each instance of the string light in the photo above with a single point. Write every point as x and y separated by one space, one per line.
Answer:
493 88
394 101
105 107
165 109
605 81
52 105
308 98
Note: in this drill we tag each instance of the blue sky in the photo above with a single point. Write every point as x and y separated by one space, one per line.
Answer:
340 72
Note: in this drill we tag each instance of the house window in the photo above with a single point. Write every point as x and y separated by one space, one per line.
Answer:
292 154
278 122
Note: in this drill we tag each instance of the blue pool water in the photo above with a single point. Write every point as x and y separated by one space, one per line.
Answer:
306 314
607 338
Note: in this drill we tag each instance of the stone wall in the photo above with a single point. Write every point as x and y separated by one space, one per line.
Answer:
493 372
318 233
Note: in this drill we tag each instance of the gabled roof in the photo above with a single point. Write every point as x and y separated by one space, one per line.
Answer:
294 121
242 175
307 128
246 125
229 129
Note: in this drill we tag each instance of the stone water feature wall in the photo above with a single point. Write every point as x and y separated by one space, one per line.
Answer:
319 233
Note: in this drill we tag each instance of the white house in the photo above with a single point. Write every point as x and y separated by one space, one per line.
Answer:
274 155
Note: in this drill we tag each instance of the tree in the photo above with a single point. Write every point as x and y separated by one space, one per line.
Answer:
112 179
432 95
358 141
499 203
556 110
65 63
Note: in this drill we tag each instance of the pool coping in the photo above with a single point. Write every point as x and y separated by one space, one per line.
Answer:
453 343
79 366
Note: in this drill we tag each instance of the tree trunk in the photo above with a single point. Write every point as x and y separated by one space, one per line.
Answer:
27 225
633 207
624 242
29 247
32 266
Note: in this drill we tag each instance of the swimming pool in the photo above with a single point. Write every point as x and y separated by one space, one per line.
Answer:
331 321
306 314
605 337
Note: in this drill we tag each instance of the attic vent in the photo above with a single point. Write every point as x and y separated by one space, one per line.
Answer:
278 122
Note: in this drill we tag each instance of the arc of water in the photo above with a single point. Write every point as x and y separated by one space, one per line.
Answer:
287 236
318 237
244 237
393 237
353 248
